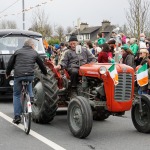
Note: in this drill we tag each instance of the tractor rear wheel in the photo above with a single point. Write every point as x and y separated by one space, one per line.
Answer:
79 117
141 120
45 91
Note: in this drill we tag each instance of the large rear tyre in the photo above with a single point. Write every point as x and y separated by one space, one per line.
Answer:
79 117
141 121
45 91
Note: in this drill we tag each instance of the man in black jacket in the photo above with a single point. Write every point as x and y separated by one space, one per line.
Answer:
23 62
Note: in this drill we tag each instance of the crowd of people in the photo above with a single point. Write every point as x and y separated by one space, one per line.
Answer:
118 49
128 50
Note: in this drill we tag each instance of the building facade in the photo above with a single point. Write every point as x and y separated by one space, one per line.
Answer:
84 32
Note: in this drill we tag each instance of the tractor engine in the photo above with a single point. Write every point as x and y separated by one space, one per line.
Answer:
99 87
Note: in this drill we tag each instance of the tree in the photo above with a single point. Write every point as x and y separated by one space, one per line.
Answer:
60 33
125 30
40 23
137 15
8 24
69 29
53 41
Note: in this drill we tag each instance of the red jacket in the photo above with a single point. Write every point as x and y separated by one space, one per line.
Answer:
103 57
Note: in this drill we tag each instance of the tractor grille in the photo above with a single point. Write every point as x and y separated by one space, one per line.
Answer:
124 88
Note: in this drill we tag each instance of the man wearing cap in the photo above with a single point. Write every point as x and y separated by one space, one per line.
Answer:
71 61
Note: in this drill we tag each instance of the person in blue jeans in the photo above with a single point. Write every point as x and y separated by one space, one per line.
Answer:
23 62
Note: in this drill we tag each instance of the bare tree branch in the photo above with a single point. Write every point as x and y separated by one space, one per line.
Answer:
40 23
60 33
137 16
7 24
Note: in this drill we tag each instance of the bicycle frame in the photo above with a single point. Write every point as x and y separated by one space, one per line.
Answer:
26 95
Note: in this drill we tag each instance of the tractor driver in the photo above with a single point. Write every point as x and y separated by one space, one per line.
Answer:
71 61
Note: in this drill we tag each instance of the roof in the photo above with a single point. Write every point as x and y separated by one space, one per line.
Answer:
90 29
108 28
15 32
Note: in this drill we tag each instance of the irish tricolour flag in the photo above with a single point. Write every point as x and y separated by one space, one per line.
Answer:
113 73
142 75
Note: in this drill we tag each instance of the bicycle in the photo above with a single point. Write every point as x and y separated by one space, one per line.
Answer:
26 106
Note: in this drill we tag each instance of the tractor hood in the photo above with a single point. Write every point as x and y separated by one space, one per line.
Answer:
93 69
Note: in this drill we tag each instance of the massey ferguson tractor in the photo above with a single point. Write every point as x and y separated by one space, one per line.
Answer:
97 96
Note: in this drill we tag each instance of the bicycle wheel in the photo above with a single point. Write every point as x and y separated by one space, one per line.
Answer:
27 115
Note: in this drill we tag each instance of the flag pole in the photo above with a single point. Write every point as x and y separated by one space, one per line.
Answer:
23 15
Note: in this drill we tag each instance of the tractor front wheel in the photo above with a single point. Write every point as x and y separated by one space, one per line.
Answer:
80 117
141 120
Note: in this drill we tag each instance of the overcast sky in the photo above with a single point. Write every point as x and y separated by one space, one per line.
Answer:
66 12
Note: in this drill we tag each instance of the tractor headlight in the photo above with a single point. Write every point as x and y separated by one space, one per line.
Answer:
11 82
102 70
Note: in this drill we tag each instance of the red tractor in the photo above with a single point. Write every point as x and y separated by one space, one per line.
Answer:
97 96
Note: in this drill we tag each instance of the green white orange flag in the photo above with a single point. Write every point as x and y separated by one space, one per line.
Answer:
113 73
142 75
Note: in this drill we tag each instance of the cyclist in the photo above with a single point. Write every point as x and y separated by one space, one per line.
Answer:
23 62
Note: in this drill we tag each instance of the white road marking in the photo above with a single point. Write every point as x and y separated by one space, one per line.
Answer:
34 134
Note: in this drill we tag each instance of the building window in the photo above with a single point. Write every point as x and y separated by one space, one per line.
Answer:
87 36
80 37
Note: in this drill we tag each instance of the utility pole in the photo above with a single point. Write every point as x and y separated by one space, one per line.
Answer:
23 15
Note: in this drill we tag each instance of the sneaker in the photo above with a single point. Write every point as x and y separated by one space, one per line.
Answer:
17 119
32 100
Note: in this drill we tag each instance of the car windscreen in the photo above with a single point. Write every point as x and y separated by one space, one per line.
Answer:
9 44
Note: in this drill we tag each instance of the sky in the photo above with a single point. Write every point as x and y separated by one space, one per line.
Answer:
67 12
